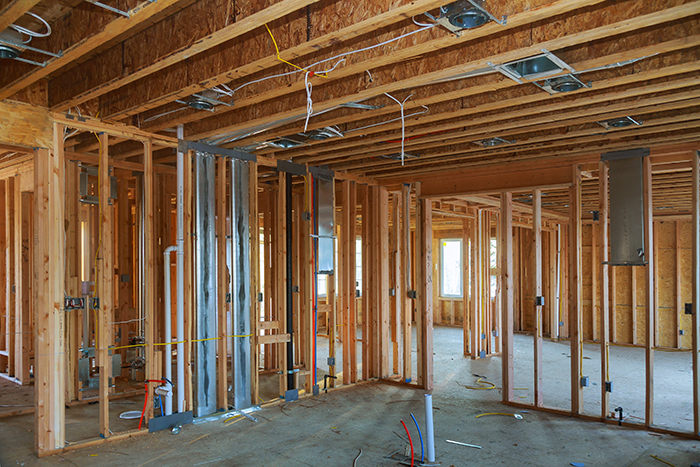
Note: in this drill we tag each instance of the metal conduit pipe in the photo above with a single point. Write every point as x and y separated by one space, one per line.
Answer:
180 279
168 331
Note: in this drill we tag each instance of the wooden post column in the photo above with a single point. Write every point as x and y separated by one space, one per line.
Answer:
537 253
406 280
696 291
651 289
424 283
149 258
508 295
105 287
49 279
604 287
382 281
575 290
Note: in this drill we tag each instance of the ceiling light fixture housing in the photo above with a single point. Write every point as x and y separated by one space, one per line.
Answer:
205 100
12 46
492 142
464 14
565 83
534 68
621 122
321 134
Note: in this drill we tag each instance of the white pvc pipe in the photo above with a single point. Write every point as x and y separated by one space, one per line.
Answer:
168 331
429 433
180 278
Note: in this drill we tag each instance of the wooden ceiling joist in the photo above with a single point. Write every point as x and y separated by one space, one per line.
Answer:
14 10
402 76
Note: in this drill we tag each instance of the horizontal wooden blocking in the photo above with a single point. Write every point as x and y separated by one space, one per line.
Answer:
273 339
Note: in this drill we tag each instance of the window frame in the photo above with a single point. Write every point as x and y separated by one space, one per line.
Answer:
441 267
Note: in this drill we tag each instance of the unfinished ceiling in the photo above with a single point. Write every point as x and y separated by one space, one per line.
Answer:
358 85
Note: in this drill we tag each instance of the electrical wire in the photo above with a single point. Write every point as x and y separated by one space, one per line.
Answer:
354 462
409 440
389 121
29 32
403 125
420 435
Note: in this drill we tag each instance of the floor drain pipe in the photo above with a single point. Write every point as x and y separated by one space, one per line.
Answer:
168 331
180 277
429 433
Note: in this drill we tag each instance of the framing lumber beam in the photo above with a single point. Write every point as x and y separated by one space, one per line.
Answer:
48 296
481 183
649 326
255 326
382 290
424 282
13 11
407 307
149 258
231 122
537 254
140 17
604 288
575 292
507 295
105 286
234 30
696 292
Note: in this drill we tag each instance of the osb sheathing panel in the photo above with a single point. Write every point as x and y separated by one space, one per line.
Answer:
665 237
686 280
25 125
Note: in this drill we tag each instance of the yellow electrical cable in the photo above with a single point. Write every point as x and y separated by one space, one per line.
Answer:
277 50
661 460
482 383
99 235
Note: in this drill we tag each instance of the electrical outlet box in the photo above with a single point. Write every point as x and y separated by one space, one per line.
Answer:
561 323
96 303
608 386
482 354
585 381
681 332
295 289
539 301
228 298
306 216
596 216
260 296
358 294
392 292
483 335
412 294
331 361
688 308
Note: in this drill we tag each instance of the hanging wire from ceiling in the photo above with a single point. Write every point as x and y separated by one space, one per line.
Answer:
403 126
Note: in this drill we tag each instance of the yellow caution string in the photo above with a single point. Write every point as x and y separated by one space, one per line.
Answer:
180 342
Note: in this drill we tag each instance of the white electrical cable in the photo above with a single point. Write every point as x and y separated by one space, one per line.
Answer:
31 33
308 86
389 121
155 117
309 103
403 126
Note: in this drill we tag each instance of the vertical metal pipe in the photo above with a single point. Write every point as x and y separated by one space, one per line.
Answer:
240 279
290 291
168 330
205 285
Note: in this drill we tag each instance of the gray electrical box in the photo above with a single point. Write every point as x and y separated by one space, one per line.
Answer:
626 207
